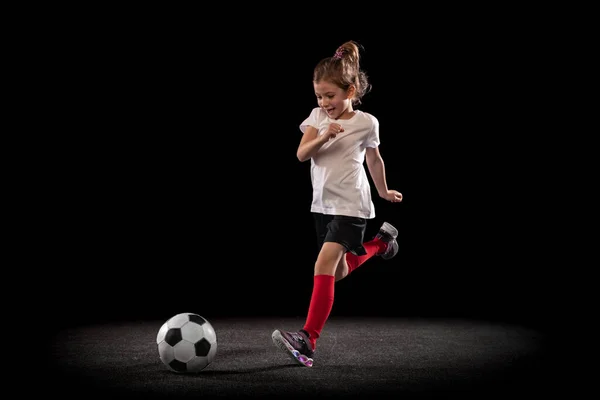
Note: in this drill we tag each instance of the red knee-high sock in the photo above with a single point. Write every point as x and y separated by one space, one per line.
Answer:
320 306
372 248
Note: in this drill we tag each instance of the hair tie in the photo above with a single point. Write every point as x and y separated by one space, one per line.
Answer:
339 54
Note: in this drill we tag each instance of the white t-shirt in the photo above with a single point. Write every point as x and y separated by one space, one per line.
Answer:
339 180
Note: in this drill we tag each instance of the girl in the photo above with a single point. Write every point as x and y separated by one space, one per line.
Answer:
337 139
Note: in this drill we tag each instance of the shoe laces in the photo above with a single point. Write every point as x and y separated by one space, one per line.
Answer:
297 337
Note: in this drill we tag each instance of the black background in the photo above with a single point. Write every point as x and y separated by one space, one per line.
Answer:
180 190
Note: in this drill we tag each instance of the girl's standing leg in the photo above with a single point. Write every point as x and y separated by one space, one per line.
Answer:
321 301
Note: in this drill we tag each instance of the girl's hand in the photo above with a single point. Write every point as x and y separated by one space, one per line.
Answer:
393 195
332 132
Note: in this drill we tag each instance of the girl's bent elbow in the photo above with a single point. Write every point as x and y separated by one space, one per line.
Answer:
301 157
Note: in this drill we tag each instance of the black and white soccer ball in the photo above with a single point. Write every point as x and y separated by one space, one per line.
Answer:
187 343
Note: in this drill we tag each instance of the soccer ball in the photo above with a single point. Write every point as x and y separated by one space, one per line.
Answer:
187 343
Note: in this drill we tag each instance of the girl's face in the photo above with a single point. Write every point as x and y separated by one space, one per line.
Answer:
334 100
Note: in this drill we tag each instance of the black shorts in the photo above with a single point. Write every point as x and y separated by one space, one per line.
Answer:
347 231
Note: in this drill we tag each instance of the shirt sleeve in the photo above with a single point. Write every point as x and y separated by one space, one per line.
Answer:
312 120
373 138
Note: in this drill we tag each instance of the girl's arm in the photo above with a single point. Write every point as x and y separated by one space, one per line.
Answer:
311 142
377 170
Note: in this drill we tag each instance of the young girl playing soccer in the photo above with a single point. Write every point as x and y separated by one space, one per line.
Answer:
337 139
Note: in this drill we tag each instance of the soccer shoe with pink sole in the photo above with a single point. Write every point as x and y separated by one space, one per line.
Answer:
388 234
296 345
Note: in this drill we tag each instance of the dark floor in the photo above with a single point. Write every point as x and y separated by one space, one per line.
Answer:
355 357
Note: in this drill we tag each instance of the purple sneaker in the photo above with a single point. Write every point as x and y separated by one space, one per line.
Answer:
296 344
388 234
